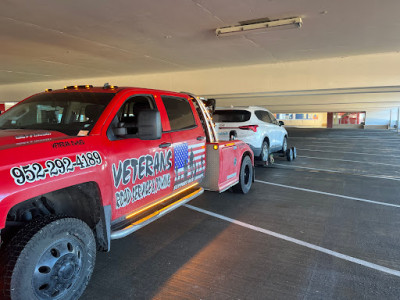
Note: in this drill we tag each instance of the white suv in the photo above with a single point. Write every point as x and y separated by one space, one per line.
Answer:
254 125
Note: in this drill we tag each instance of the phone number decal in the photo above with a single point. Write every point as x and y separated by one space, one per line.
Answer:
60 166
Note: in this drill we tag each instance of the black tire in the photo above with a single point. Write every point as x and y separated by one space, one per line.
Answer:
48 259
289 154
284 145
264 155
294 152
245 177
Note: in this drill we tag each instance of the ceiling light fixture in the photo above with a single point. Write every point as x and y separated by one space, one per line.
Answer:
296 22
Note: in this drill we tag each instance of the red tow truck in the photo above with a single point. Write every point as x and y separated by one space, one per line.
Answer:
83 165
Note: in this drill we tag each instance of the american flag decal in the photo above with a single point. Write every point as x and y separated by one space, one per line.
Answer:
181 155
189 162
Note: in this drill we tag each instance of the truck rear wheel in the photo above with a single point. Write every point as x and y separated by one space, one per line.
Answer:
245 177
49 259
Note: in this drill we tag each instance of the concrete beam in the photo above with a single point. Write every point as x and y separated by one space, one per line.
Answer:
351 83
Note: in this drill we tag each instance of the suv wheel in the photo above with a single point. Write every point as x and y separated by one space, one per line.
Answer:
49 258
284 145
264 151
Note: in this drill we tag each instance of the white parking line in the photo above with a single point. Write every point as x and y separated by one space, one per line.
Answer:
328 194
299 242
348 152
392 139
336 171
336 146
348 160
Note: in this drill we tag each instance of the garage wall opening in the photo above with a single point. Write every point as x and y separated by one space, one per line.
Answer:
348 119
304 120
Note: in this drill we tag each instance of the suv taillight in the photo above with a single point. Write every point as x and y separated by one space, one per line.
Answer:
249 127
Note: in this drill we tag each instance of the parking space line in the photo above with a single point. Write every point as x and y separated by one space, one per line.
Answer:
299 242
335 143
328 194
348 152
352 147
393 139
348 160
336 171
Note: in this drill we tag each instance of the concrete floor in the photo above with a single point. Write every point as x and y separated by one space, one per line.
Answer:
325 226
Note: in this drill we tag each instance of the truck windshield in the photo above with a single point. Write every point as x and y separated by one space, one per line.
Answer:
231 116
69 113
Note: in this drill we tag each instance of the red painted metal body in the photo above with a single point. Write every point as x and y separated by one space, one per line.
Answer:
230 162
224 163
95 158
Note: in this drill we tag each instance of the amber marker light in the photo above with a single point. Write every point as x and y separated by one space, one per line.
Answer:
215 147
160 201
48 90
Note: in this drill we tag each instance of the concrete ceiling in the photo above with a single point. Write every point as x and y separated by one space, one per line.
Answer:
48 40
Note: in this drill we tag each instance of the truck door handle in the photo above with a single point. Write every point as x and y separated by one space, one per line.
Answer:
164 145
200 138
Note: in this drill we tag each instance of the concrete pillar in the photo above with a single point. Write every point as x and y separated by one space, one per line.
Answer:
329 120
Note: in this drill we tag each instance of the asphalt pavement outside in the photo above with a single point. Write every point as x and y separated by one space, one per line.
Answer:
325 226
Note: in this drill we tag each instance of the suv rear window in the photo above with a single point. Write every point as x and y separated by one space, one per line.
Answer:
231 116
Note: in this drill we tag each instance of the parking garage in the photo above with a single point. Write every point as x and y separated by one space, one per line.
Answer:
323 226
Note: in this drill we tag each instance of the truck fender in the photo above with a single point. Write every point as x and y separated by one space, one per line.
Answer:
103 229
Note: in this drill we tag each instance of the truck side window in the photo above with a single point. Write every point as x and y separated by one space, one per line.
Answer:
126 117
179 113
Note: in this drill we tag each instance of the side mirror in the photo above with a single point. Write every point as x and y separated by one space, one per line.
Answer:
120 130
125 130
210 104
149 125
281 123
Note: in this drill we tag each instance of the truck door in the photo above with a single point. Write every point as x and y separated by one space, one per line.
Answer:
142 170
188 141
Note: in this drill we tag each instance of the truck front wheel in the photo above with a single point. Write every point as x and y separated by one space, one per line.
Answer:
49 258
245 177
